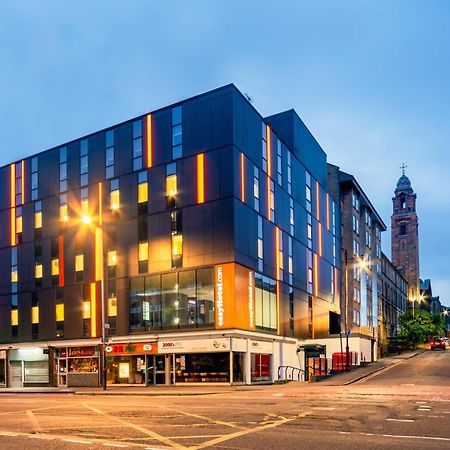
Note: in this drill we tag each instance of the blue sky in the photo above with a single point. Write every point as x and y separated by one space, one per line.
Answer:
370 79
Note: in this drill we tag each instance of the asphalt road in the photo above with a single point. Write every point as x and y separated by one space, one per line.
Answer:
404 407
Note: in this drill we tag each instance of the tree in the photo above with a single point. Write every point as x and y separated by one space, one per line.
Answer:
420 327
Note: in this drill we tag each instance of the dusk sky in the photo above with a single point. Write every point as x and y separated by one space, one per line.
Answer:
371 80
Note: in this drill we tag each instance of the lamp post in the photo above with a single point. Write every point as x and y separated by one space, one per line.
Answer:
361 263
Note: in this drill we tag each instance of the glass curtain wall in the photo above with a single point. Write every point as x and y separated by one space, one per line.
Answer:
173 300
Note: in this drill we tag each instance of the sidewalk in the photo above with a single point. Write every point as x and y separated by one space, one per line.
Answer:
359 372
340 379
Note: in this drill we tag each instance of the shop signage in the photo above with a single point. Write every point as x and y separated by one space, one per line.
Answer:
261 347
238 345
219 305
132 349
251 291
80 352
194 346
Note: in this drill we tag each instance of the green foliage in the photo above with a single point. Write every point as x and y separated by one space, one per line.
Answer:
421 327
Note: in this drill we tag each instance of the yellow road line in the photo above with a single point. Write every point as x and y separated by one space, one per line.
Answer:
143 430
245 432
36 426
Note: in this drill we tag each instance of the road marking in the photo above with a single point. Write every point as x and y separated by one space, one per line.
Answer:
143 430
344 432
422 402
368 434
417 437
324 408
45 438
240 433
34 422
400 420
76 441
7 434
278 394
115 445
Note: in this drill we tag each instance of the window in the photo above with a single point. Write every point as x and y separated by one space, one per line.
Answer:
289 172
34 179
355 201
55 266
309 231
279 164
19 224
38 215
84 201
368 239
63 169
137 145
356 295
38 270
356 317
112 258
177 133
402 229
290 261
114 195
171 185
308 192
177 250
256 188
109 154
309 283
84 162
63 209
79 263
260 244
291 216
356 250
142 187
368 219
265 303
355 224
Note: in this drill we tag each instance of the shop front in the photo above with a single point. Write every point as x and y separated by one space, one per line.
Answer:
28 367
131 363
77 366
3 368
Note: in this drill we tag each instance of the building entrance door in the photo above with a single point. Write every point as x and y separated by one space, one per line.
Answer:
16 371
62 371
160 370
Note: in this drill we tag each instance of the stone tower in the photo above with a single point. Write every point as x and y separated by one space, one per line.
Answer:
405 234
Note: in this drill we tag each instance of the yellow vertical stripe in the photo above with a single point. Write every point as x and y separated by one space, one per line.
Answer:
200 178
93 310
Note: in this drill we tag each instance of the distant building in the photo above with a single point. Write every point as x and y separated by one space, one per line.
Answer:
361 242
405 234
428 302
394 301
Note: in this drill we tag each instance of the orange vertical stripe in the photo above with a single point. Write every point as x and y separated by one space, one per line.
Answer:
269 151
317 200
12 181
320 238
200 178
242 178
61 260
100 203
336 285
23 181
149 141
328 211
93 310
316 275
278 307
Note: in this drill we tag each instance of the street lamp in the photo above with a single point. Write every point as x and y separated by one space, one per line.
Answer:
413 300
362 264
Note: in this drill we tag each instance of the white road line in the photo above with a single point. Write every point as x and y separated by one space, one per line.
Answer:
417 437
324 408
344 432
45 438
400 420
75 441
422 402
115 445
7 434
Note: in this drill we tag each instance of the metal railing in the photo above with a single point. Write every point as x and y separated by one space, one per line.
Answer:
291 373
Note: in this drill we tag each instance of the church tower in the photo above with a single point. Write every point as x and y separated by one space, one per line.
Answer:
405 233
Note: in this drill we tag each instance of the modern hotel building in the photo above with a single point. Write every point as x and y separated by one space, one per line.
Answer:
198 240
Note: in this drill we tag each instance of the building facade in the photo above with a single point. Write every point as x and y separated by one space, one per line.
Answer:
361 261
405 235
195 243
393 288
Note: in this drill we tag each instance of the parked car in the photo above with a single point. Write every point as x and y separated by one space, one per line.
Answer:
438 342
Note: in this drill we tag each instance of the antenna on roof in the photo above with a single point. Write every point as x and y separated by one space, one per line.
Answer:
403 167
248 97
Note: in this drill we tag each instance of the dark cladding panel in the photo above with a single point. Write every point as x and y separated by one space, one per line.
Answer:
123 149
